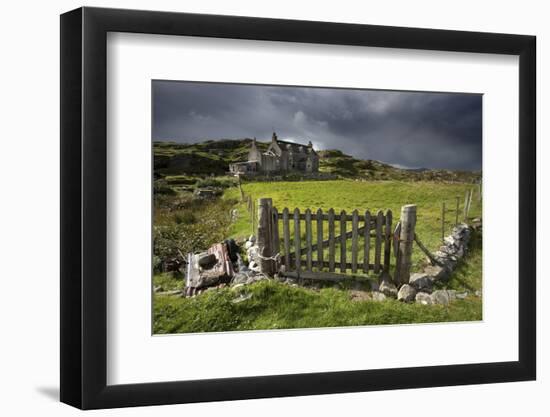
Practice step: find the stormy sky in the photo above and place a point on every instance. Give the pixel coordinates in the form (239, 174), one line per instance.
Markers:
(406, 129)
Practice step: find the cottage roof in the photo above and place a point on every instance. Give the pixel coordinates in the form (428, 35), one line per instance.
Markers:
(295, 147)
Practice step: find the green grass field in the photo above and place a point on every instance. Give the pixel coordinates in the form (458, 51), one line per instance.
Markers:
(273, 305)
(350, 195)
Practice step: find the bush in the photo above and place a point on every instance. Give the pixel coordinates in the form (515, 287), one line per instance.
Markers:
(161, 187)
(219, 182)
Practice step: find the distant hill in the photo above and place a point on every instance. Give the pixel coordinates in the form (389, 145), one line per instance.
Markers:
(214, 157)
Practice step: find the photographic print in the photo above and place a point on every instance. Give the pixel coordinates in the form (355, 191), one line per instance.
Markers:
(287, 207)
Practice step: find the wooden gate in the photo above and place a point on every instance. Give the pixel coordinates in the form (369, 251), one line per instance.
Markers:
(323, 245)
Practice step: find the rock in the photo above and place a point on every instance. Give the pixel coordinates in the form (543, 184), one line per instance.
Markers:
(252, 253)
(423, 298)
(255, 278)
(440, 297)
(452, 294)
(421, 282)
(461, 295)
(248, 244)
(356, 295)
(378, 296)
(450, 240)
(406, 293)
(239, 278)
(388, 289)
(374, 286)
(438, 273)
(241, 266)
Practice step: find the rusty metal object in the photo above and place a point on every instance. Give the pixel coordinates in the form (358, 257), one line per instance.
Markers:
(209, 268)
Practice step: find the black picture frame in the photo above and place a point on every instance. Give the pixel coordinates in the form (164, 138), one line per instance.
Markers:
(84, 207)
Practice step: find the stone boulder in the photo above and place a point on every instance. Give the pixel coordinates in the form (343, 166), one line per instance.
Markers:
(438, 273)
(441, 297)
(357, 295)
(388, 289)
(423, 298)
(239, 278)
(406, 293)
(378, 296)
(421, 282)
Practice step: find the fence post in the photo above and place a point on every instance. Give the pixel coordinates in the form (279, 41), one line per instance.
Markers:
(443, 222)
(466, 199)
(406, 239)
(240, 187)
(457, 208)
(479, 191)
(265, 240)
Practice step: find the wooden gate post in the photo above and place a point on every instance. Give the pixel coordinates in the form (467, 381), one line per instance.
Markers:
(264, 237)
(406, 239)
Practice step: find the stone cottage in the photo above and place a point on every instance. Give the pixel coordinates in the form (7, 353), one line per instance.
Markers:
(280, 157)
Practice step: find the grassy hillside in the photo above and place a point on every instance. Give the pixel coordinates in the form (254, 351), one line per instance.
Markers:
(273, 305)
(184, 222)
(214, 157)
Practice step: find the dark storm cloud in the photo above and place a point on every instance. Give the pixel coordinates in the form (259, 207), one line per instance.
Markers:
(410, 129)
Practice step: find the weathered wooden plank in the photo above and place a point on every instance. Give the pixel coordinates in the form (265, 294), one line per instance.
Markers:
(466, 208)
(337, 238)
(308, 240)
(387, 240)
(297, 237)
(325, 243)
(320, 237)
(325, 264)
(275, 247)
(457, 209)
(354, 240)
(443, 222)
(343, 222)
(331, 245)
(264, 236)
(378, 242)
(479, 192)
(337, 217)
(406, 238)
(366, 236)
(286, 237)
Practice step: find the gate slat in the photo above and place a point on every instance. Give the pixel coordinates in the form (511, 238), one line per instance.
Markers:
(387, 241)
(366, 234)
(308, 240)
(354, 239)
(275, 227)
(286, 236)
(378, 243)
(331, 248)
(343, 221)
(297, 243)
(320, 238)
